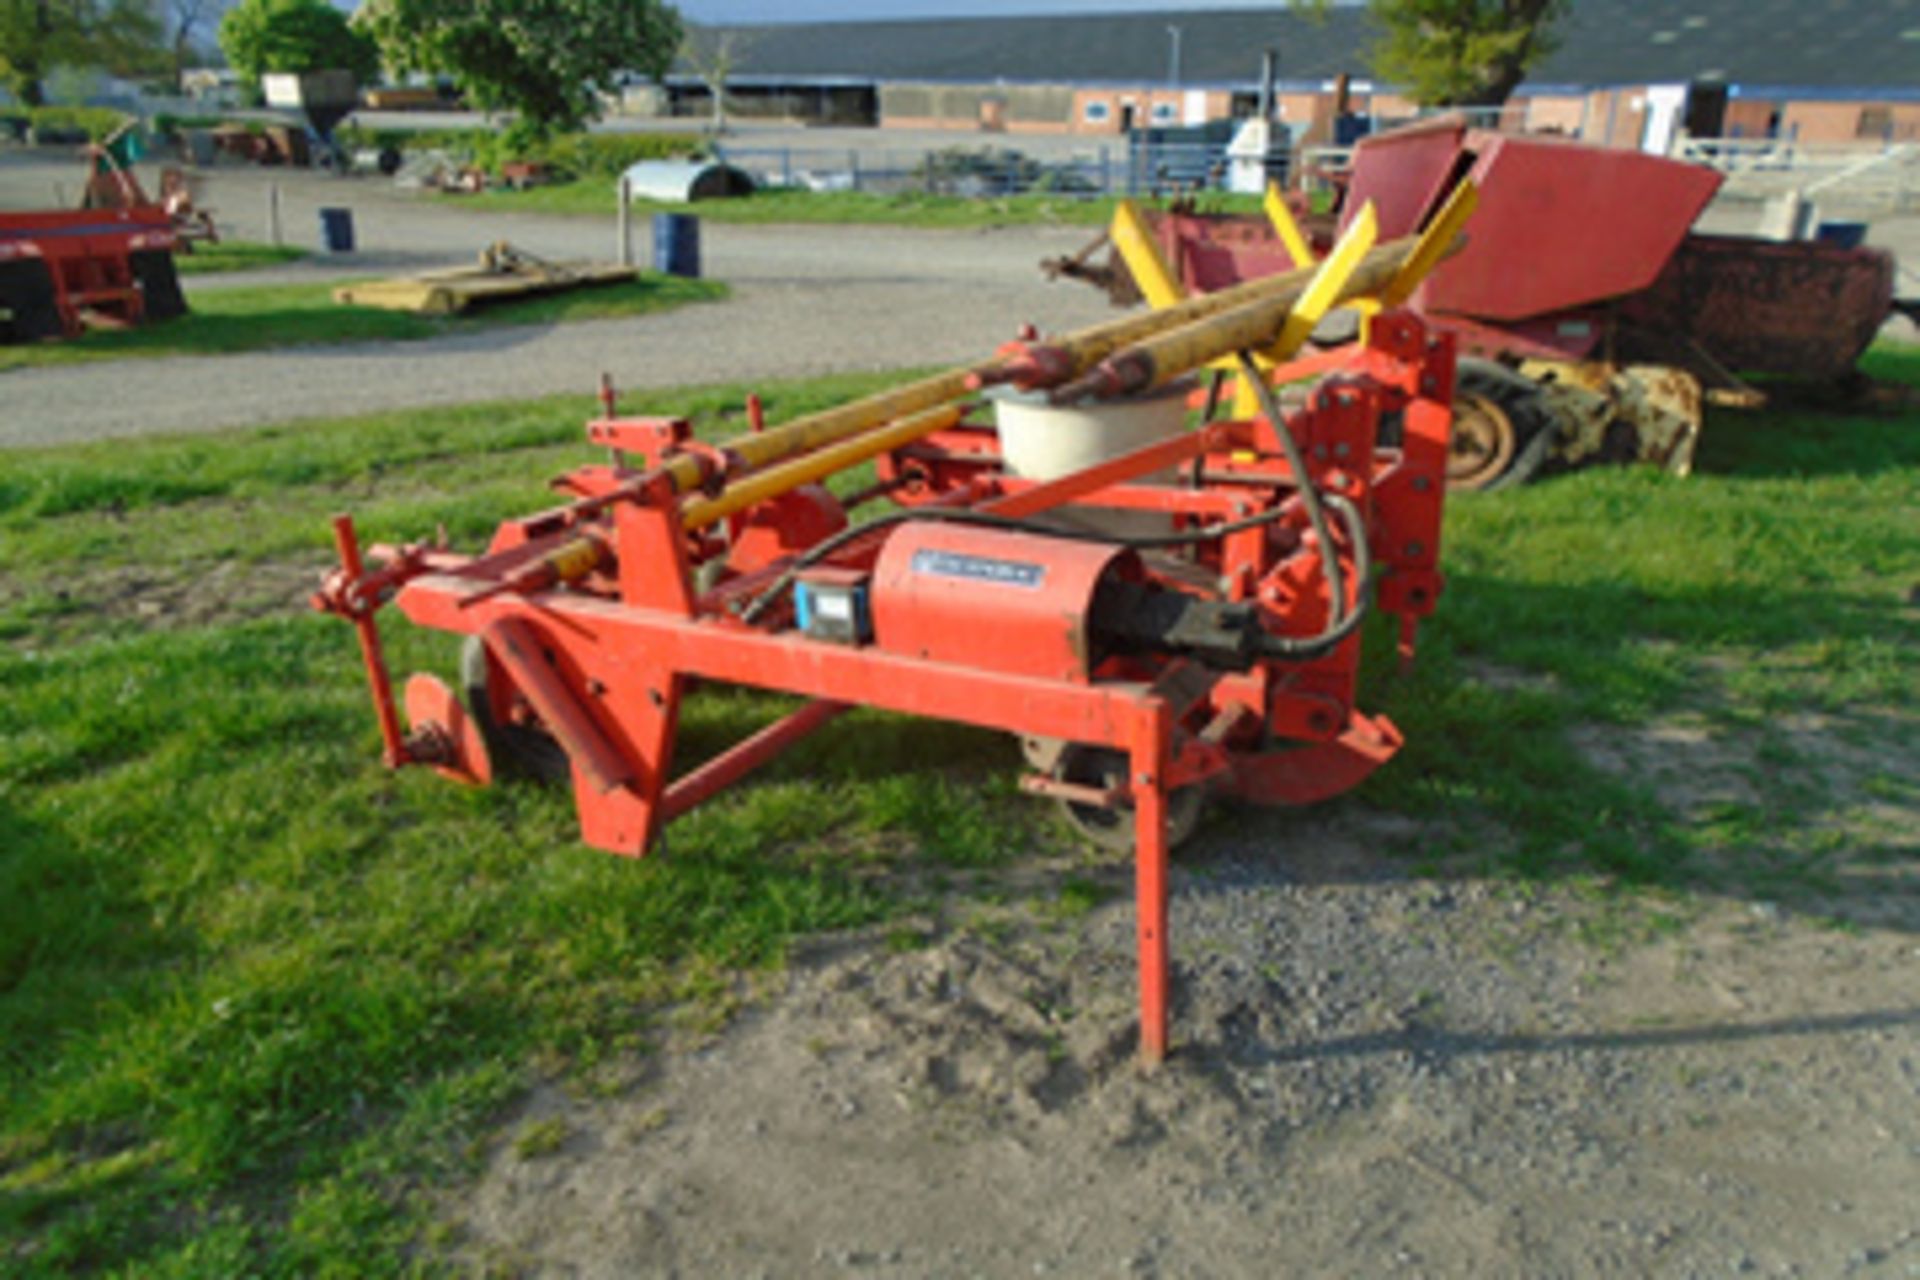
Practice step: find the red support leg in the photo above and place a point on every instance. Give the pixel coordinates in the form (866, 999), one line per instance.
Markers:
(393, 747)
(1148, 761)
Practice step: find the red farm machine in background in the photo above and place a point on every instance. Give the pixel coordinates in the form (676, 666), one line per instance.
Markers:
(61, 270)
(1161, 612)
(108, 263)
(1593, 322)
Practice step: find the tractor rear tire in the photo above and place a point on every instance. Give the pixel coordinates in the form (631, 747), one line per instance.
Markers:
(1503, 428)
(515, 748)
(26, 294)
(159, 284)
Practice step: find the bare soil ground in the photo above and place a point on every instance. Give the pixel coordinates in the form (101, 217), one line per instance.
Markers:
(1375, 1073)
(167, 596)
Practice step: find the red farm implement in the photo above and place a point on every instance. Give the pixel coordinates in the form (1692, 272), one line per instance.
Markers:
(63, 270)
(1592, 321)
(1159, 619)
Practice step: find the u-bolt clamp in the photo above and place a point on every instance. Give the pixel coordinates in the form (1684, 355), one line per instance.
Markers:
(716, 464)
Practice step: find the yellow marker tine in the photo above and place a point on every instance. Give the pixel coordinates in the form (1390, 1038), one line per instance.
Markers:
(1435, 243)
(1158, 285)
(1286, 228)
(1327, 284)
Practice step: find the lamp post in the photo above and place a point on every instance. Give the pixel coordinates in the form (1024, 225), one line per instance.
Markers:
(1173, 57)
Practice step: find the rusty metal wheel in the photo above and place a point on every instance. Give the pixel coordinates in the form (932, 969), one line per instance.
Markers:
(1113, 828)
(1484, 441)
(1503, 428)
(523, 749)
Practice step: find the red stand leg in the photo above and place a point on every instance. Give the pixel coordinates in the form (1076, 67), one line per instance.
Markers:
(1148, 761)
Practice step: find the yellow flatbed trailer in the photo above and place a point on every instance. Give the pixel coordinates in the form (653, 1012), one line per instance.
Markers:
(502, 273)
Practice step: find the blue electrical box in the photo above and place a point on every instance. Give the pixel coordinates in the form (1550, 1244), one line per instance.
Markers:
(831, 604)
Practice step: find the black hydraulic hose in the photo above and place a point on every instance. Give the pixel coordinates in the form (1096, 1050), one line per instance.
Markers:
(1316, 511)
(1308, 647)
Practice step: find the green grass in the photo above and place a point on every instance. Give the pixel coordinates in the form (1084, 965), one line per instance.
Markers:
(260, 997)
(264, 317)
(234, 255)
(599, 199)
(1773, 581)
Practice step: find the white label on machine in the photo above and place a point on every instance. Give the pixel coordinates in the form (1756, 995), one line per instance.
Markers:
(1004, 573)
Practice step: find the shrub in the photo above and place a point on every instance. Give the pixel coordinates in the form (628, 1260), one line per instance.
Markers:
(168, 125)
(574, 155)
(95, 122)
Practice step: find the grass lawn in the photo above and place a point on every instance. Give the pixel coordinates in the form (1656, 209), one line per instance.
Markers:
(234, 255)
(599, 199)
(259, 996)
(262, 317)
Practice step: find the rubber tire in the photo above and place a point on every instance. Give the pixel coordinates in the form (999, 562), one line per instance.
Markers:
(513, 748)
(26, 290)
(159, 284)
(1113, 828)
(1520, 399)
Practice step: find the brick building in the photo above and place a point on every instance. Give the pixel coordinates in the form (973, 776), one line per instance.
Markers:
(1627, 73)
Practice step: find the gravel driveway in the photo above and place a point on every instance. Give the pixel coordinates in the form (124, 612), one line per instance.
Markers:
(807, 300)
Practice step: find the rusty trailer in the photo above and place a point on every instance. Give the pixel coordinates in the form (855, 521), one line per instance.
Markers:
(1593, 323)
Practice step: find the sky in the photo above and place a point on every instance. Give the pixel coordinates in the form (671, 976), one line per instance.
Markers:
(749, 11)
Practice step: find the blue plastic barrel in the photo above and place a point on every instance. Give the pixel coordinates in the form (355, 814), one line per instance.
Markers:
(676, 244)
(1841, 235)
(336, 230)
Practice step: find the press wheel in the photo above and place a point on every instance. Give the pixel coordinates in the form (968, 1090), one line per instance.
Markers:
(1112, 828)
(520, 748)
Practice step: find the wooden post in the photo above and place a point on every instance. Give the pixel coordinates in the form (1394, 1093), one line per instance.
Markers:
(273, 214)
(624, 222)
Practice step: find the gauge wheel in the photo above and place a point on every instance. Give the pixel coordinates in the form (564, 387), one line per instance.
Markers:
(520, 748)
(1500, 429)
(1113, 828)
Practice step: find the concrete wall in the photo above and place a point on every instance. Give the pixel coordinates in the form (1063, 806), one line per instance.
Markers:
(1046, 108)
(1555, 114)
(1101, 111)
(1609, 117)
(1749, 117)
(1851, 121)
(1615, 117)
(984, 107)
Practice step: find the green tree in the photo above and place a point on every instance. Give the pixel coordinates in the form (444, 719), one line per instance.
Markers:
(546, 60)
(294, 36)
(36, 36)
(1462, 52)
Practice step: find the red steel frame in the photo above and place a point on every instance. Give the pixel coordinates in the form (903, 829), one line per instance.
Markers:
(88, 254)
(603, 664)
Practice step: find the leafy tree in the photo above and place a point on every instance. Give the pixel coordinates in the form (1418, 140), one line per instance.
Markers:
(1463, 52)
(294, 36)
(547, 60)
(39, 35)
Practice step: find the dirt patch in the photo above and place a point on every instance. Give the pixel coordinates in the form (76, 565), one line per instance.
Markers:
(162, 596)
(1373, 1075)
(1824, 806)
